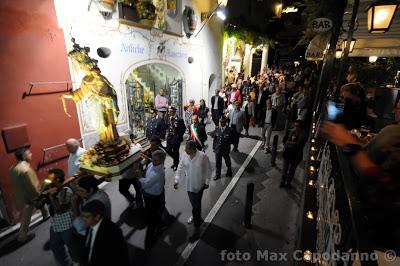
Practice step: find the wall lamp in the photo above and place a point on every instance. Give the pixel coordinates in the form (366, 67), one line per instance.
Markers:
(219, 11)
(381, 14)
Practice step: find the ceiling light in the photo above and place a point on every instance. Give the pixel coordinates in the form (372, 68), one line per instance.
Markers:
(372, 59)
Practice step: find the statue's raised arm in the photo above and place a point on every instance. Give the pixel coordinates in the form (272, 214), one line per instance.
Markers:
(96, 87)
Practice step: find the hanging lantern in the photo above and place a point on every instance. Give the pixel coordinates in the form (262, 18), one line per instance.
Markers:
(352, 44)
(381, 14)
(338, 53)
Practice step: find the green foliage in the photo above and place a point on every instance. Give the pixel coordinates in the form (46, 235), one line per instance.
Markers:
(309, 13)
(246, 36)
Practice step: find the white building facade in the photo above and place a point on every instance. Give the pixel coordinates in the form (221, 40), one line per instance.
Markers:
(141, 61)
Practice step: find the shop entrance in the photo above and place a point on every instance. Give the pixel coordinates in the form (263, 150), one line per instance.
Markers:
(142, 86)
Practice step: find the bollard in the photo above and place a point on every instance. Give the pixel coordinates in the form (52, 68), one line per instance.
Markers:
(249, 205)
(274, 151)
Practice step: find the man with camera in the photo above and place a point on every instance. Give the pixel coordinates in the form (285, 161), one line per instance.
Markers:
(61, 231)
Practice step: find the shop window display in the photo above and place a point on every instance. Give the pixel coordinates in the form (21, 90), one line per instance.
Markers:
(143, 85)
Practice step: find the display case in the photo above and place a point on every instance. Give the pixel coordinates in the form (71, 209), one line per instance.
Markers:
(136, 107)
(174, 94)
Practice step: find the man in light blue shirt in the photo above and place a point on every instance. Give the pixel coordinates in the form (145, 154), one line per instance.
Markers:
(152, 186)
(237, 119)
(75, 153)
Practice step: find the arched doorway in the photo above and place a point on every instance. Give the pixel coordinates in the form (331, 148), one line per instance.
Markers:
(143, 83)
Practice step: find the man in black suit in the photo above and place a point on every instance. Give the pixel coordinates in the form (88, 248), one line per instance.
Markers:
(176, 130)
(105, 243)
(223, 139)
(198, 133)
(261, 97)
(155, 126)
(217, 107)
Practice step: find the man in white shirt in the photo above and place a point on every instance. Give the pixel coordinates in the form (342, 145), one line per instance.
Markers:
(268, 117)
(75, 153)
(197, 168)
(237, 119)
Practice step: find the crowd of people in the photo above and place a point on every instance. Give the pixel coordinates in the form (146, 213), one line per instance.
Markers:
(80, 212)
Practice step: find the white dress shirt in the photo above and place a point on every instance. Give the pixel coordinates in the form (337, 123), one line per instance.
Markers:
(268, 116)
(95, 229)
(153, 183)
(197, 171)
(73, 161)
(235, 117)
(216, 98)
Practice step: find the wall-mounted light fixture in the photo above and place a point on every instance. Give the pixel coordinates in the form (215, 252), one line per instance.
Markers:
(352, 44)
(220, 11)
(381, 14)
(338, 53)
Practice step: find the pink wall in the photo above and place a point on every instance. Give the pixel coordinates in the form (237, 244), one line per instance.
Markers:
(32, 48)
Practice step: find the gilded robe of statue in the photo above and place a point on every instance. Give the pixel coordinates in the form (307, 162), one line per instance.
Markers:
(99, 93)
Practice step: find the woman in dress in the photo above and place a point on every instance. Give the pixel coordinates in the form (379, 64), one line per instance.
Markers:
(203, 112)
(190, 110)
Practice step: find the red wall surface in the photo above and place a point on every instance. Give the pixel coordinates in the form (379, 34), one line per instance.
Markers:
(32, 48)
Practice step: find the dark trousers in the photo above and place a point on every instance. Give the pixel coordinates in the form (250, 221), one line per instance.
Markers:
(59, 241)
(125, 184)
(153, 209)
(173, 151)
(247, 124)
(258, 111)
(235, 136)
(218, 160)
(195, 200)
(216, 115)
(289, 169)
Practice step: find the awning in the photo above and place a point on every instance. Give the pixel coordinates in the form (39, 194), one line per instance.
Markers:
(317, 47)
(372, 44)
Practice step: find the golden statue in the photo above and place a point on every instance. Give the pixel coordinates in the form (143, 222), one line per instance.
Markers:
(99, 91)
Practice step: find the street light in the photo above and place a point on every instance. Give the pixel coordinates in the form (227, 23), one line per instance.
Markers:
(221, 14)
(222, 3)
(219, 11)
(381, 14)
(278, 10)
(352, 44)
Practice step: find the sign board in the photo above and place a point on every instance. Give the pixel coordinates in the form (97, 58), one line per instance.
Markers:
(322, 24)
(317, 47)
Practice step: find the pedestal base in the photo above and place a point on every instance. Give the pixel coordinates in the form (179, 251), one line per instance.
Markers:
(118, 171)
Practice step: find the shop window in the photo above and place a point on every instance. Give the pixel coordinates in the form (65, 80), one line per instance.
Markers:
(143, 85)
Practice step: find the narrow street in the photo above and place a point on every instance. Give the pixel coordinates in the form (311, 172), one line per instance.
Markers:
(274, 220)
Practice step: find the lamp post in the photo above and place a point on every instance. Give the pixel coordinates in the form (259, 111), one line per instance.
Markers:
(381, 14)
(347, 49)
(219, 11)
